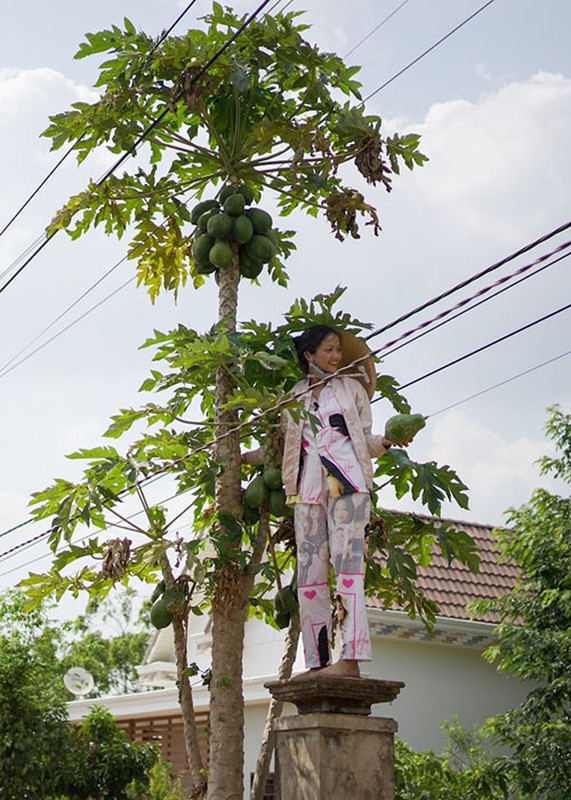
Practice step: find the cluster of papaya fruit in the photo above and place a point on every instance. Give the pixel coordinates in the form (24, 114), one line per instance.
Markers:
(285, 602)
(230, 220)
(265, 491)
(166, 603)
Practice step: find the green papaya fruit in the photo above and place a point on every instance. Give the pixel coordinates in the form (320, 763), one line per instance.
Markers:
(271, 235)
(161, 617)
(260, 219)
(158, 591)
(200, 208)
(282, 620)
(261, 248)
(220, 254)
(226, 191)
(256, 493)
(242, 229)
(202, 223)
(201, 246)
(250, 515)
(403, 427)
(277, 503)
(246, 193)
(219, 225)
(272, 477)
(205, 267)
(286, 600)
(234, 204)
(249, 267)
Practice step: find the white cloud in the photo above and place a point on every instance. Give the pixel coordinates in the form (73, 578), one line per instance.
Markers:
(500, 472)
(490, 161)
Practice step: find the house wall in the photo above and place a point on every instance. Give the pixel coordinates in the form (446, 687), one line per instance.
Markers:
(441, 681)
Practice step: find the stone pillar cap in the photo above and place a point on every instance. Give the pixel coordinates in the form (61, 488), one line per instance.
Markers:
(334, 694)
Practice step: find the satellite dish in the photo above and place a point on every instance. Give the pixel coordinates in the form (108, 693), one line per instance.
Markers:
(78, 681)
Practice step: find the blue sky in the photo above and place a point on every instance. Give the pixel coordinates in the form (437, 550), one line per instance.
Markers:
(493, 106)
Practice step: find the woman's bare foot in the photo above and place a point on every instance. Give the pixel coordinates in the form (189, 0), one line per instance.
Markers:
(342, 669)
(310, 673)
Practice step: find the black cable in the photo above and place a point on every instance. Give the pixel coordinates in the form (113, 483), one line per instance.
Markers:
(207, 446)
(469, 280)
(375, 29)
(429, 50)
(132, 149)
(469, 308)
(77, 141)
(484, 347)
(201, 72)
(501, 383)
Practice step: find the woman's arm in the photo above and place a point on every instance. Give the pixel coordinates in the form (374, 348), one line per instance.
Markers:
(376, 443)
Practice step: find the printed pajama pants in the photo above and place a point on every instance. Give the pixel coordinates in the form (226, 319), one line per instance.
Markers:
(332, 532)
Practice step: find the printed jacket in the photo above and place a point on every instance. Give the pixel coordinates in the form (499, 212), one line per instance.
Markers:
(356, 409)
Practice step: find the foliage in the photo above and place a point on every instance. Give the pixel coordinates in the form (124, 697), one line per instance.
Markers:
(34, 735)
(263, 367)
(106, 764)
(272, 111)
(86, 641)
(534, 634)
(163, 785)
(109, 642)
(465, 771)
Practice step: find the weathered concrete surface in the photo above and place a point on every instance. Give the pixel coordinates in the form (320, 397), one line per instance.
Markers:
(334, 694)
(333, 749)
(326, 756)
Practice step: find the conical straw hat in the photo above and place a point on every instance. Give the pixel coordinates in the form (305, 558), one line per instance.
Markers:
(353, 349)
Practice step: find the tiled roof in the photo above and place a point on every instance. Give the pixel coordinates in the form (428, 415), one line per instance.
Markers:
(454, 586)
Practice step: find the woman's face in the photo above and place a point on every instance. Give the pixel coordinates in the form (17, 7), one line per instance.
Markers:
(328, 354)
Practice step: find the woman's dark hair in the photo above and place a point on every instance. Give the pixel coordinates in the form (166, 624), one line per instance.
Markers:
(309, 341)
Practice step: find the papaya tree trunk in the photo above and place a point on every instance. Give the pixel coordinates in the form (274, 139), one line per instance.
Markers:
(274, 711)
(225, 781)
(193, 754)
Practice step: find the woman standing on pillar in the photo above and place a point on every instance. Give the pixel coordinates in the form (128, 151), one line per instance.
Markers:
(327, 474)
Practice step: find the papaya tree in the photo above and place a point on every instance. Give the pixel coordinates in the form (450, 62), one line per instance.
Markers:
(222, 126)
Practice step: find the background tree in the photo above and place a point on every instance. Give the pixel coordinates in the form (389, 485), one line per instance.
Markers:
(34, 735)
(534, 634)
(108, 639)
(42, 757)
(271, 112)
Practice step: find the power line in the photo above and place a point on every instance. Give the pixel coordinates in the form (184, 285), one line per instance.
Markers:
(375, 29)
(424, 327)
(428, 50)
(133, 148)
(281, 404)
(465, 310)
(72, 147)
(501, 383)
(10, 365)
(485, 346)
(433, 300)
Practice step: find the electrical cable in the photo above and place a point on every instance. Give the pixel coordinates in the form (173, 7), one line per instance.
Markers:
(501, 383)
(432, 301)
(247, 423)
(142, 136)
(444, 315)
(72, 147)
(485, 347)
(6, 368)
(375, 29)
(428, 50)
(472, 307)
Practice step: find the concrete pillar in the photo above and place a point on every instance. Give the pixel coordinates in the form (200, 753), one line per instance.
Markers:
(332, 749)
